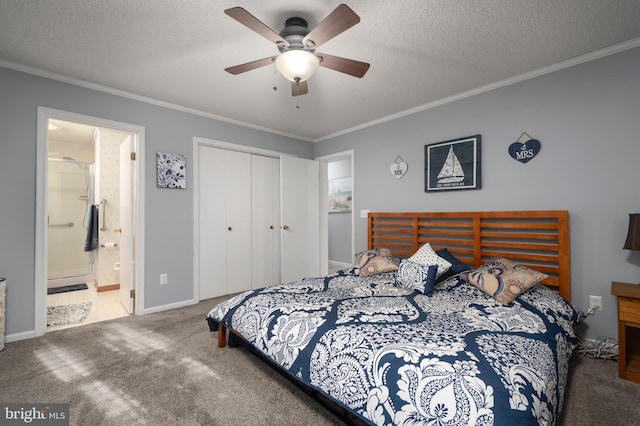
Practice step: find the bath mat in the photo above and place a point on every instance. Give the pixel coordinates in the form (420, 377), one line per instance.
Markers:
(65, 288)
(68, 314)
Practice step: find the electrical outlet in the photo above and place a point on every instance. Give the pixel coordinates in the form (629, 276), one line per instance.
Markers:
(164, 279)
(595, 300)
(364, 213)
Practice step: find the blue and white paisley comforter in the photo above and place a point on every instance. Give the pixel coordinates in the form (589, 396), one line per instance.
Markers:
(394, 356)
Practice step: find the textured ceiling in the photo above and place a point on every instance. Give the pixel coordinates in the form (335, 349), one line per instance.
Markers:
(420, 51)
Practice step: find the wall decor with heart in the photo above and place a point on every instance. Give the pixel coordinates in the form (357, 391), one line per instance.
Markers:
(398, 168)
(524, 151)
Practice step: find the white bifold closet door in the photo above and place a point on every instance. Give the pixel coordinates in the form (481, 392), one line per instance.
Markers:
(258, 220)
(224, 215)
(300, 217)
(265, 220)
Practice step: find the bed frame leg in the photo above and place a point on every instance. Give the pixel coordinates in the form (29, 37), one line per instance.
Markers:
(222, 336)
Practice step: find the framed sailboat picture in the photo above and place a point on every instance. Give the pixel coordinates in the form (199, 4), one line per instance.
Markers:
(452, 165)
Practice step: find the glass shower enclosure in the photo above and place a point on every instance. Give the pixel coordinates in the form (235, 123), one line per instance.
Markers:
(70, 194)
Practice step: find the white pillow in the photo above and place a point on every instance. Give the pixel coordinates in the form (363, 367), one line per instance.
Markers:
(427, 256)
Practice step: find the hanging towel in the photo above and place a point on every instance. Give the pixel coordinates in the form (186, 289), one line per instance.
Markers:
(92, 229)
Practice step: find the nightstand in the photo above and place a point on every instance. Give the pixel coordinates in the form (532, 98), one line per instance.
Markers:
(628, 330)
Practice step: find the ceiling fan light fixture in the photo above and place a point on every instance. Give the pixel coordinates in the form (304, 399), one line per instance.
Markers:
(297, 65)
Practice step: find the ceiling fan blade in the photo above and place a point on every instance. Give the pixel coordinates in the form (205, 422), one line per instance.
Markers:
(299, 89)
(347, 66)
(248, 20)
(341, 19)
(239, 69)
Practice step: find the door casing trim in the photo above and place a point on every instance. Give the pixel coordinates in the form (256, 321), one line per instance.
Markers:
(324, 195)
(42, 151)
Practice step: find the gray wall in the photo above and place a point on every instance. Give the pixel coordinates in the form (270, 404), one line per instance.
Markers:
(168, 214)
(587, 118)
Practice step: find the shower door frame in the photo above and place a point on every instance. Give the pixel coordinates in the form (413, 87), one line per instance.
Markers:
(42, 155)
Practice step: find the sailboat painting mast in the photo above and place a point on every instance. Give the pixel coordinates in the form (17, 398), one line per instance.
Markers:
(453, 164)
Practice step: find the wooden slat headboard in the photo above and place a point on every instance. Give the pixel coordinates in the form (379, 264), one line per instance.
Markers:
(538, 239)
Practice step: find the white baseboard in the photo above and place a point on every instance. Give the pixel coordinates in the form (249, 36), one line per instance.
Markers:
(31, 333)
(20, 336)
(169, 306)
(340, 264)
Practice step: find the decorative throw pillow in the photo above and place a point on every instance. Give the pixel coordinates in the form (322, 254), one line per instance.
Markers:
(456, 265)
(426, 256)
(415, 276)
(376, 261)
(503, 279)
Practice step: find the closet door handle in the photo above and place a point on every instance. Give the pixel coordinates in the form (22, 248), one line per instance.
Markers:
(285, 227)
(229, 228)
(271, 227)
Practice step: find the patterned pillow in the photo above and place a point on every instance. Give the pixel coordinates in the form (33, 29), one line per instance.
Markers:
(415, 276)
(426, 256)
(456, 265)
(503, 279)
(376, 261)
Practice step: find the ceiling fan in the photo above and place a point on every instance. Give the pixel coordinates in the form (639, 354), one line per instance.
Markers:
(297, 60)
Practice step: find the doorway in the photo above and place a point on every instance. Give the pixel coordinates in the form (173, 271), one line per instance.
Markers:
(340, 191)
(78, 229)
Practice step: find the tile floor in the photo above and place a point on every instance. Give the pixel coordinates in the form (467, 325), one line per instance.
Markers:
(106, 305)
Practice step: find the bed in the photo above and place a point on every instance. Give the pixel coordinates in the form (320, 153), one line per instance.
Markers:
(417, 345)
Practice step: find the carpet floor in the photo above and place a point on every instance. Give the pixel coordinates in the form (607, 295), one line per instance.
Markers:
(166, 368)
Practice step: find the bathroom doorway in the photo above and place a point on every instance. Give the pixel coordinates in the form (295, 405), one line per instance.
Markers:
(78, 272)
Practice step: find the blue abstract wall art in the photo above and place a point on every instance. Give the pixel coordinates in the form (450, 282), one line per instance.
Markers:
(172, 170)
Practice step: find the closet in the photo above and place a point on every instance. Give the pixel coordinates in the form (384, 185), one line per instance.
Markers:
(239, 221)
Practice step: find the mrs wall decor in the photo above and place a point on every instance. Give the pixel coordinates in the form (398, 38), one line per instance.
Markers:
(453, 164)
(524, 152)
(172, 170)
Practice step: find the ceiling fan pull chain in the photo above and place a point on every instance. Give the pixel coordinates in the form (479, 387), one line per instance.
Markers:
(297, 92)
(275, 87)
